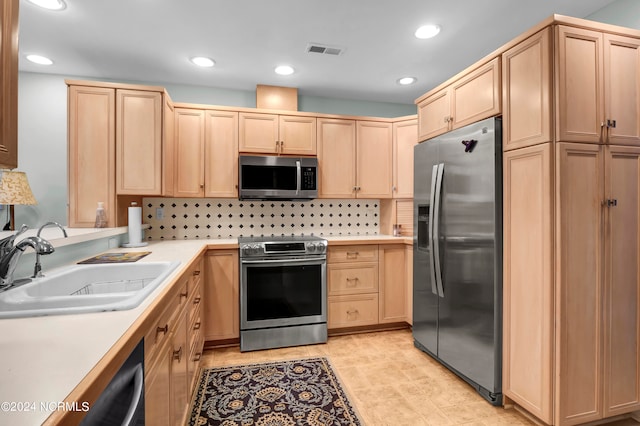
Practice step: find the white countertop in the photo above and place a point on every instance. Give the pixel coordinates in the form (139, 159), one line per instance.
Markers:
(44, 358)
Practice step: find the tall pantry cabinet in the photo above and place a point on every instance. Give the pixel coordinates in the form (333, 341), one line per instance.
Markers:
(572, 222)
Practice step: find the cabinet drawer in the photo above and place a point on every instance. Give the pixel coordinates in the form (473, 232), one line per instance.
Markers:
(352, 278)
(353, 311)
(363, 253)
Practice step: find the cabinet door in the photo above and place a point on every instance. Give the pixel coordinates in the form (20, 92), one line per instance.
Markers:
(527, 92)
(222, 295)
(579, 243)
(374, 169)
(168, 147)
(9, 84)
(393, 284)
(405, 136)
(476, 95)
(258, 133)
(297, 135)
(221, 154)
(580, 108)
(528, 282)
(622, 282)
(434, 115)
(180, 391)
(138, 142)
(157, 388)
(189, 181)
(92, 179)
(336, 158)
(622, 88)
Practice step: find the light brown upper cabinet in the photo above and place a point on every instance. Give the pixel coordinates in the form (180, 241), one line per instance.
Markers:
(277, 134)
(139, 142)
(468, 99)
(354, 158)
(91, 151)
(598, 87)
(169, 147)
(336, 158)
(206, 153)
(405, 137)
(9, 84)
(189, 162)
(374, 159)
(527, 92)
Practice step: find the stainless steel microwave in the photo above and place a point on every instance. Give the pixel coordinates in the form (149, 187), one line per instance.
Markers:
(272, 177)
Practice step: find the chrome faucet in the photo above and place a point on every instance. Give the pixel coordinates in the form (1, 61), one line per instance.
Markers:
(9, 261)
(37, 270)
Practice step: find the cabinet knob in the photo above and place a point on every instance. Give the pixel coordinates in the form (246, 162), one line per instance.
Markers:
(185, 294)
(197, 357)
(197, 325)
(163, 330)
(196, 300)
(196, 272)
(201, 185)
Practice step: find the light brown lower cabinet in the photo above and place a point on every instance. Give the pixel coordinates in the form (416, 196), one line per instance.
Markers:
(169, 345)
(393, 284)
(366, 285)
(222, 295)
(572, 281)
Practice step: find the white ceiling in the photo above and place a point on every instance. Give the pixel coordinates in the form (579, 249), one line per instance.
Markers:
(151, 41)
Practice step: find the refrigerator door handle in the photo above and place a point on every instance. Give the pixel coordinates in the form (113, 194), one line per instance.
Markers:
(436, 229)
(432, 263)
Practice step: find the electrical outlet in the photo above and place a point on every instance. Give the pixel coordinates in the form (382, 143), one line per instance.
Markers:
(159, 213)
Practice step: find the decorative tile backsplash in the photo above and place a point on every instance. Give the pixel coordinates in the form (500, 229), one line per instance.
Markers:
(190, 218)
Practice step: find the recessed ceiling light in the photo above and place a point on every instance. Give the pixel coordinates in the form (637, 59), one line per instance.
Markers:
(50, 4)
(40, 60)
(203, 61)
(427, 31)
(284, 70)
(404, 81)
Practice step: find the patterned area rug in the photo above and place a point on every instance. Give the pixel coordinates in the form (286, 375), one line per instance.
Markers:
(288, 393)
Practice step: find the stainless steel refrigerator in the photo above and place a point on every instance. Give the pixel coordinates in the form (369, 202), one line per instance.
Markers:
(457, 253)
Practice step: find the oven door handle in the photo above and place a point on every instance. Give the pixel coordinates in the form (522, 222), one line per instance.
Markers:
(286, 261)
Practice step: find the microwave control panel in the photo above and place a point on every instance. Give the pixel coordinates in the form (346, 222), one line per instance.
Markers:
(308, 178)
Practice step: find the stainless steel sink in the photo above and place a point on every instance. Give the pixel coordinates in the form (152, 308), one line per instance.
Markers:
(85, 288)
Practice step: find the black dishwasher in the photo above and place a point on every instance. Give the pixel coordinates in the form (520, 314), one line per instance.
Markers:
(122, 402)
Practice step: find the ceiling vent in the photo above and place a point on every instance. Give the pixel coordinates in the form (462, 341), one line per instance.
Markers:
(324, 49)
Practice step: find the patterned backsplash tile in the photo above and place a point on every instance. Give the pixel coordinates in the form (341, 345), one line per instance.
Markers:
(190, 218)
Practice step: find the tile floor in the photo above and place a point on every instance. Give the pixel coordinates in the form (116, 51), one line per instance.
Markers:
(390, 382)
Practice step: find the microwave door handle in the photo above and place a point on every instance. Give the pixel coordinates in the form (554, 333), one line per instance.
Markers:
(298, 176)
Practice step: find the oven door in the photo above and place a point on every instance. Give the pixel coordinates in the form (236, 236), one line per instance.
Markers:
(282, 292)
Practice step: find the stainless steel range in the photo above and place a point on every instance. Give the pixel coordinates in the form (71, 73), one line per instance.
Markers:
(283, 291)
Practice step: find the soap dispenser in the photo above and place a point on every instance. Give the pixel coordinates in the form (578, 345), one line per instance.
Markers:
(101, 216)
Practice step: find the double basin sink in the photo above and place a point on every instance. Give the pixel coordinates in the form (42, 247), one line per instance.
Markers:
(85, 288)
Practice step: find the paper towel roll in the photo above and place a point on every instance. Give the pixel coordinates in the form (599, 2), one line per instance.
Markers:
(135, 224)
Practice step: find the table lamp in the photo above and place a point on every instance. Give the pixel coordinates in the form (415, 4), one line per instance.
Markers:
(15, 189)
